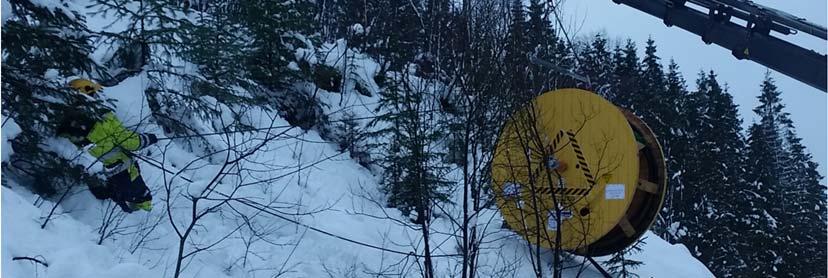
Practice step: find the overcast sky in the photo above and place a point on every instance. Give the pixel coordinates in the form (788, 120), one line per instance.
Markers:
(808, 106)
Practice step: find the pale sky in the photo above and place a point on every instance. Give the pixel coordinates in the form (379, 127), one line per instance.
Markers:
(808, 106)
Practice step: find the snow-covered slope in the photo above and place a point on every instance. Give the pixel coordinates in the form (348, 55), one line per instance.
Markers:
(299, 207)
(65, 244)
(68, 246)
(310, 182)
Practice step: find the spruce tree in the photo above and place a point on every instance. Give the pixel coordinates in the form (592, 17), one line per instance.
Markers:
(44, 47)
(597, 65)
(435, 48)
(660, 104)
(152, 37)
(784, 176)
(766, 160)
(805, 209)
(413, 173)
(675, 144)
(714, 179)
(275, 30)
(231, 45)
(802, 223)
(626, 76)
(540, 35)
(541, 44)
(620, 263)
(338, 17)
(399, 35)
(649, 102)
(516, 59)
(156, 36)
(217, 45)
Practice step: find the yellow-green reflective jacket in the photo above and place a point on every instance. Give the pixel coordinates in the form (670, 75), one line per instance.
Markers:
(111, 139)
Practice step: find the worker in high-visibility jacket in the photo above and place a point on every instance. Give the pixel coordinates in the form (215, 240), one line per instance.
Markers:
(112, 145)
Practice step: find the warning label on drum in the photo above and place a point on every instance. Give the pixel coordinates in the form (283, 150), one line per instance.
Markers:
(614, 191)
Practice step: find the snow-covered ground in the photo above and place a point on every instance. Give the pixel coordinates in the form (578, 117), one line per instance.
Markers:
(332, 195)
(69, 247)
(338, 224)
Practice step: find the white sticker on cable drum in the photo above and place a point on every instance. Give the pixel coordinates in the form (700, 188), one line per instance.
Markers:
(551, 223)
(511, 190)
(614, 191)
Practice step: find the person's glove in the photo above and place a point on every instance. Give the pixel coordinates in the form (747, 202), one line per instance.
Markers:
(145, 206)
(147, 139)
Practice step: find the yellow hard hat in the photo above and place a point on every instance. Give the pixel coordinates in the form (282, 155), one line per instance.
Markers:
(85, 86)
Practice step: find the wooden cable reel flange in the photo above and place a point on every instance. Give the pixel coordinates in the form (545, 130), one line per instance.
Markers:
(573, 163)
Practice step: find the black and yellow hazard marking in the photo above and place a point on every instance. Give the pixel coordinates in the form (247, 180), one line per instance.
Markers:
(557, 140)
(582, 163)
(564, 191)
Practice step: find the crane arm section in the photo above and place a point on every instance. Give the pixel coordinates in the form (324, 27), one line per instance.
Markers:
(753, 41)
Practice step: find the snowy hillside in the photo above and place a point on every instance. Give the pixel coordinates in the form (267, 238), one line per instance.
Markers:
(316, 185)
(331, 189)
(269, 200)
(68, 246)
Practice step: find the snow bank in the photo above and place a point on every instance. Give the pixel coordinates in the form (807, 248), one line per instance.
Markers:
(66, 245)
(662, 259)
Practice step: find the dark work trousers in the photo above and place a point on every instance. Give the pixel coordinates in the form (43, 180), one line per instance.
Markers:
(123, 191)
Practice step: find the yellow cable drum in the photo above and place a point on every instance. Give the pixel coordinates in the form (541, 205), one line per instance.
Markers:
(573, 170)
